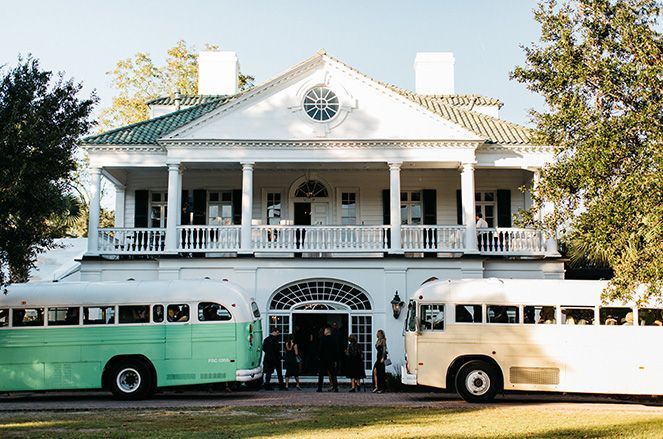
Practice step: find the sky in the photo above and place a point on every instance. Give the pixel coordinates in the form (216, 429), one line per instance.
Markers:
(85, 38)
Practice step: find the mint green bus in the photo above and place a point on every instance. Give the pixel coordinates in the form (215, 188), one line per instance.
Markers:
(128, 337)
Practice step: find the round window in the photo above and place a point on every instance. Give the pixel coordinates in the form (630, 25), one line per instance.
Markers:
(321, 104)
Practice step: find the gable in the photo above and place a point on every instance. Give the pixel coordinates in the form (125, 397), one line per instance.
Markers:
(368, 111)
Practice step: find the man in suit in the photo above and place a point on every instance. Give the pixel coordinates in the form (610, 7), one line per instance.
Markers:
(327, 353)
(271, 347)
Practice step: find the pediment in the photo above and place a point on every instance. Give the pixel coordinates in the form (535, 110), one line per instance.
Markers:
(366, 110)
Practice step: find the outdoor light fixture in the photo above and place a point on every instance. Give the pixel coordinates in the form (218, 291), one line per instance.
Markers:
(397, 305)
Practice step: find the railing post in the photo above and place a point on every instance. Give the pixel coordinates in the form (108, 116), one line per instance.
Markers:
(93, 221)
(469, 210)
(247, 207)
(395, 205)
(174, 199)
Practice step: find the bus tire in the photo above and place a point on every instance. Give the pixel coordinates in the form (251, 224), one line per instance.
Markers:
(131, 379)
(477, 381)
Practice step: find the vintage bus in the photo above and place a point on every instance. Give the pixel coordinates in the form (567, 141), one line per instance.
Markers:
(483, 336)
(129, 337)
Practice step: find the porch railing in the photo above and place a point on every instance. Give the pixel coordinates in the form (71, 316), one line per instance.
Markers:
(131, 241)
(433, 238)
(208, 238)
(320, 238)
(511, 241)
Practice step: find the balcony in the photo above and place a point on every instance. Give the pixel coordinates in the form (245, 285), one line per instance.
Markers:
(322, 239)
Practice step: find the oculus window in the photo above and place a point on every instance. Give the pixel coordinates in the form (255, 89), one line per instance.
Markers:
(321, 104)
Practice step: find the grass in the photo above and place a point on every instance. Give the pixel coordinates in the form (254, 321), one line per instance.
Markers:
(496, 421)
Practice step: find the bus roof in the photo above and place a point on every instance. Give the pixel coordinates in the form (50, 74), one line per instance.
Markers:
(523, 291)
(127, 293)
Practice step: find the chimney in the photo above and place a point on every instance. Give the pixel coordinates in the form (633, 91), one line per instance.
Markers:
(217, 73)
(434, 73)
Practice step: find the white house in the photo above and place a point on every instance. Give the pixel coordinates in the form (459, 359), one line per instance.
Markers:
(325, 192)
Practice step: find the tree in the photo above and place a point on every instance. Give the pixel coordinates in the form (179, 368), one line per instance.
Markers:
(138, 80)
(41, 119)
(599, 66)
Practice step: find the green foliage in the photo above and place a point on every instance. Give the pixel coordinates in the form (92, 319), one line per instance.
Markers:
(139, 80)
(41, 119)
(599, 66)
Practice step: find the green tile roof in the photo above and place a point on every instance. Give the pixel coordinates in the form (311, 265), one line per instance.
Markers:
(148, 131)
(186, 100)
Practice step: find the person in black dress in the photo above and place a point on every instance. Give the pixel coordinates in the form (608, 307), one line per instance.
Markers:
(292, 361)
(327, 350)
(354, 363)
(272, 360)
(379, 374)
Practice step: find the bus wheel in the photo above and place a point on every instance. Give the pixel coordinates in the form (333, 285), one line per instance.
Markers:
(130, 380)
(477, 381)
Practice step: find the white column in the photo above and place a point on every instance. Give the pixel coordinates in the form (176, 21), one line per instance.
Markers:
(178, 220)
(247, 206)
(173, 206)
(119, 206)
(469, 210)
(95, 207)
(395, 205)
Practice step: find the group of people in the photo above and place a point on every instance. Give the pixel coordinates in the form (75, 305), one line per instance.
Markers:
(329, 362)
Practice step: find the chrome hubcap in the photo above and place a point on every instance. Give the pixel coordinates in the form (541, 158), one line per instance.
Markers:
(477, 382)
(128, 380)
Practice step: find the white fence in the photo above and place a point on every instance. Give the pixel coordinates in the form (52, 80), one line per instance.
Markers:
(208, 238)
(320, 238)
(511, 241)
(131, 241)
(433, 238)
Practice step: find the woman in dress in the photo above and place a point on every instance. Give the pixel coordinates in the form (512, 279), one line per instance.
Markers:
(379, 375)
(292, 361)
(354, 363)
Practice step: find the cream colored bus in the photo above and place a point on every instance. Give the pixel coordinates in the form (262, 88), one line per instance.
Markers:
(483, 336)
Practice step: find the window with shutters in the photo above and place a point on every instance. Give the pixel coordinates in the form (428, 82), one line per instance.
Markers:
(158, 209)
(486, 205)
(411, 208)
(220, 208)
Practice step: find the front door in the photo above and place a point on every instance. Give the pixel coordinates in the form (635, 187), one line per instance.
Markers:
(319, 213)
(307, 329)
(302, 214)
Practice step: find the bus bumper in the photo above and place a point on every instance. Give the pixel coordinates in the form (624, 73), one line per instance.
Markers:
(409, 379)
(244, 375)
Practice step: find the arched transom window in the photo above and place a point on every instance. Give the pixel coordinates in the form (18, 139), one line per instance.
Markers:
(311, 189)
(320, 294)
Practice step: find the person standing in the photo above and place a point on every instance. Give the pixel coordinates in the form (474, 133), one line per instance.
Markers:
(292, 361)
(481, 223)
(379, 374)
(272, 360)
(354, 363)
(327, 350)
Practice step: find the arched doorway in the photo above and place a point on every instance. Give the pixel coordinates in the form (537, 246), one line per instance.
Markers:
(310, 198)
(304, 307)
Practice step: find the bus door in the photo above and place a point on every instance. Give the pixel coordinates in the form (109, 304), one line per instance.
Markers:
(178, 331)
(214, 338)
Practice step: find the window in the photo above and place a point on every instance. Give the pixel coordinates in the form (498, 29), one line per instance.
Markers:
(348, 208)
(273, 208)
(158, 209)
(4, 317)
(468, 314)
(615, 316)
(577, 315)
(411, 208)
(647, 316)
(63, 316)
(134, 313)
(255, 309)
(28, 317)
(311, 189)
(157, 313)
(539, 314)
(98, 315)
(321, 104)
(432, 317)
(178, 313)
(486, 205)
(213, 312)
(502, 314)
(220, 208)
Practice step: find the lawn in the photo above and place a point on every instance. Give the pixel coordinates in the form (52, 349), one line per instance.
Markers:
(495, 421)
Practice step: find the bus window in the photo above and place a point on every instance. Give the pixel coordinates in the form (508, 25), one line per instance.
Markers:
(98, 315)
(502, 314)
(432, 317)
(157, 313)
(255, 309)
(577, 315)
(411, 316)
(4, 317)
(63, 316)
(540, 315)
(212, 312)
(468, 314)
(28, 317)
(134, 313)
(615, 316)
(650, 316)
(178, 313)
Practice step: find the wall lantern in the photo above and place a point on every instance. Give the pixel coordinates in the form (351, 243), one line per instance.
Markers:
(397, 305)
